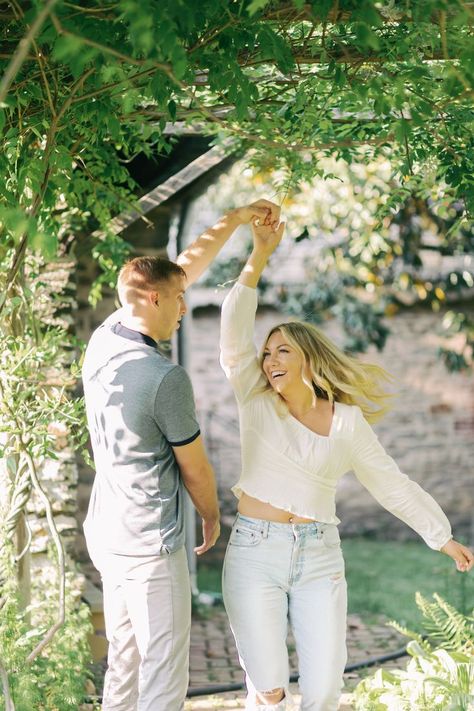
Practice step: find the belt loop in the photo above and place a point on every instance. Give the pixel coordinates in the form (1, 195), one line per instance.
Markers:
(265, 528)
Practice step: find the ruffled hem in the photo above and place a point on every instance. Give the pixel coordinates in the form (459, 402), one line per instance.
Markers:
(285, 506)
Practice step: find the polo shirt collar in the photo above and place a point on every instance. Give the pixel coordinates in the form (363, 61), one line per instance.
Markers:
(120, 330)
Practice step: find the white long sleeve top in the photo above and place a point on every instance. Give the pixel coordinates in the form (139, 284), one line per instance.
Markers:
(289, 466)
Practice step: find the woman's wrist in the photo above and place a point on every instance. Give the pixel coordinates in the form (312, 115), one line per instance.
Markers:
(253, 269)
(261, 254)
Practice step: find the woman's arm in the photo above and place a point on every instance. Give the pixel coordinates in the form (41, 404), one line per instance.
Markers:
(404, 498)
(266, 238)
(238, 354)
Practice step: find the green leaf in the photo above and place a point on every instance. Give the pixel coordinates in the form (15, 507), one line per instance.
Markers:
(402, 130)
(321, 9)
(67, 47)
(367, 13)
(256, 5)
(172, 108)
(367, 37)
(179, 61)
(113, 125)
(44, 242)
(15, 221)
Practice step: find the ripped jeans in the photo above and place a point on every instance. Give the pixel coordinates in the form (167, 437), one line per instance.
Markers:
(275, 573)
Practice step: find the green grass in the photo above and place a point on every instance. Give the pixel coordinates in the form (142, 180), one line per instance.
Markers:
(209, 578)
(383, 577)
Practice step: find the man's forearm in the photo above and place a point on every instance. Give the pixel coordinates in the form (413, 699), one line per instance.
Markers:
(202, 490)
(196, 258)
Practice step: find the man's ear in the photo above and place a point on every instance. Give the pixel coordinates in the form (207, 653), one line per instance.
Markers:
(153, 298)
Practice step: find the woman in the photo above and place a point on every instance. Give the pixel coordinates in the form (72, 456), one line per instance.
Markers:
(303, 416)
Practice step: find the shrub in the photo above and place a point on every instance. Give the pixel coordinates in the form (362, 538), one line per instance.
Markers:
(440, 673)
(55, 680)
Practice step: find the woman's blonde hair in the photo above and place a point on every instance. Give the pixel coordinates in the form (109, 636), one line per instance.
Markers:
(334, 374)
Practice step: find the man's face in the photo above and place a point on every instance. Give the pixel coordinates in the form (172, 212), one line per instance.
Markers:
(171, 306)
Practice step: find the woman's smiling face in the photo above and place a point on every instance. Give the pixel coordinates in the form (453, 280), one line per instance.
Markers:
(282, 364)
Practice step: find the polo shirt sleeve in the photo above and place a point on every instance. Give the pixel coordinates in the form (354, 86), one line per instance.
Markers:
(175, 412)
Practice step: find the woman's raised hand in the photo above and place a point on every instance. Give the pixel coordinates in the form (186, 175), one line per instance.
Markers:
(267, 234)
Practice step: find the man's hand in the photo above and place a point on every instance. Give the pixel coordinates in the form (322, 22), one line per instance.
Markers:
(462, 556)
(210, 533)
(264, 211)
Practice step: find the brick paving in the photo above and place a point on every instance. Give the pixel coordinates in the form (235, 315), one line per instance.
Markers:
(213, 659)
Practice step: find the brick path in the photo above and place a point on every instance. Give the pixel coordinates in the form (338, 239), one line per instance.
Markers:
(214, 658)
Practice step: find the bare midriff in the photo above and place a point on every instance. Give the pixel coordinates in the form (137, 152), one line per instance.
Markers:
(249, 506)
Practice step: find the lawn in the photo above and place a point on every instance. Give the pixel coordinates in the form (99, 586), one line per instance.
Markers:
(383, 577)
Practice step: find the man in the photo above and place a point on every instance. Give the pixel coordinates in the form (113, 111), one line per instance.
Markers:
(147, 446)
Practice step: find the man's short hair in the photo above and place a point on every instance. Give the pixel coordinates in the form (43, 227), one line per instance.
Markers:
(145, 273)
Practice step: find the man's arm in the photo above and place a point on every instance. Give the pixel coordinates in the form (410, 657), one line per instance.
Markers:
(196, 258)
(198, 478)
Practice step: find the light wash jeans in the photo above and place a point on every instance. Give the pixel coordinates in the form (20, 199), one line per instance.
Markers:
(275, 572)
(147, 608)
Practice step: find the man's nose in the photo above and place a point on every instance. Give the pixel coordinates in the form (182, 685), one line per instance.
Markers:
(184, 308)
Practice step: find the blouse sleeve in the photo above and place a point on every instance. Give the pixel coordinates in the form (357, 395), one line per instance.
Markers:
(238, 354)
(404, 498)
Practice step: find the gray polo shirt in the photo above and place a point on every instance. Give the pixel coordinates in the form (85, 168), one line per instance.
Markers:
(139, 405)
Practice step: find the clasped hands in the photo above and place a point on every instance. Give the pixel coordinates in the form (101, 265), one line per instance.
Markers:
(264, 217)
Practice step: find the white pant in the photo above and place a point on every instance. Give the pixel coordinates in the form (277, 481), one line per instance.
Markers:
(277, 571)
(147, 608)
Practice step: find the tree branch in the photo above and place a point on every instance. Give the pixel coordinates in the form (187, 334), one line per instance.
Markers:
(107, 50)
(9, 705)
(22, 50)
(60, 553)
(113, 85)
(54, 535)
(337, 15)
(36, 202)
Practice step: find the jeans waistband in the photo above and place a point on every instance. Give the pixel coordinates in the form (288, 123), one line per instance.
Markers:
(315, 528)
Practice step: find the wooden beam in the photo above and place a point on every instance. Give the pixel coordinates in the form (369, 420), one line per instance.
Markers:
(165, 191)
(288, 12)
